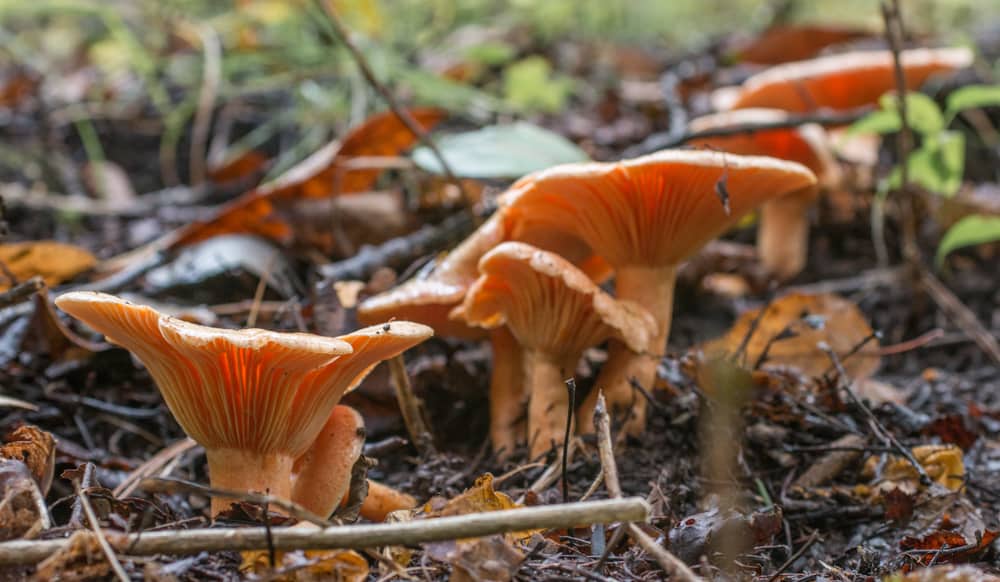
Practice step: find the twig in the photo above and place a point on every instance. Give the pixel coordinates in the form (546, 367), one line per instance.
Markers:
(472, 525)
(409, 406)
(670, 563)
(172, 486)
(211, 73)
(877, 427)
(404, 116)
(798, 554)
(960, 314)
(95, 526)
(400, 252)
(893, 19)
(571, 387)
(670, 139)
(21, 291)
(154, 464)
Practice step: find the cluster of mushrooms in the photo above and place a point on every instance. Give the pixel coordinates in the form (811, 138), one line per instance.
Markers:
(264, 404)
(529, 278)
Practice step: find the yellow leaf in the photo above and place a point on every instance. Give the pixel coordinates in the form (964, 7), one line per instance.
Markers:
(53, 261)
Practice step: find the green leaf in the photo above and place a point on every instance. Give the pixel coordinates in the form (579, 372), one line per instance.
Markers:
(500, 151)
(972, 96)
(880, 122)
(921, 111)
(971, 230)
(529, 85)
(939, 164)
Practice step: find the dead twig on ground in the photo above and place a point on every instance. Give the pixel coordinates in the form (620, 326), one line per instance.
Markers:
(960, 314)
(670, 563)
(102, 540)
(21, 291)
(410, 407)
(194, 541)
(342, 34)
(156, 463)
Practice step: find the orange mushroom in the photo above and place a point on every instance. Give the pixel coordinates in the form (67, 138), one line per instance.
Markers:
(783, 232)
(645, 216)
(256, 400)
(843, 81)
(432, 300)
(556, 312)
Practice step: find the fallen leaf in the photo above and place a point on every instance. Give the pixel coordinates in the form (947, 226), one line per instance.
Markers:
(952, 429)
(942, 463)
(945, 573)
(35, 448)
(792, 329)
(321, 175)
(307, 565)
(80, 559)
(22, 505)
(240, 167)
(947, 542)
(53, 261)
(898, 505)
(488, 559)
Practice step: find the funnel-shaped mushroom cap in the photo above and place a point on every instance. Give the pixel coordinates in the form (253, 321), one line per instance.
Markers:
(550, 305)
(254, 390)
(657, 209)
(844, 81)
(431, 299)
(266, 391)
(806, 144)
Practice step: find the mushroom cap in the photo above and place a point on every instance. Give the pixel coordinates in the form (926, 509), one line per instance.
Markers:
(807, 144)
(844, 81)
(549, 304)
(656, 210)
(254, 390)
(431, 299)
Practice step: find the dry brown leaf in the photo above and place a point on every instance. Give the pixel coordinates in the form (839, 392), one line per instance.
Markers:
(942, 463)
(489, 559)
(35, 448)
(78, 561)
(943, 539)
(307, 565)
(241, 167)
(319, 176)
(53, 261)
(798, 316)
(945, 573)
(22, 507)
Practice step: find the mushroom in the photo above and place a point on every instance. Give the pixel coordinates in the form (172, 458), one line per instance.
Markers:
(783, 232)
(431, 300)
(645, 216)
(556, 312)
(262, 403)
(843, 81)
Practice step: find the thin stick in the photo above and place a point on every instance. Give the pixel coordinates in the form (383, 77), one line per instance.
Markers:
(670, 563)
(960, 314)
(21, 291)
(571, 387)
(401, 113)
(211, 73)
(95, 526)
(154, 464)
(798, 554)
(409, 406)
(472, 525)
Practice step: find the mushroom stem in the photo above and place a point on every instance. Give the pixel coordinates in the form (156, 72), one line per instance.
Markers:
(653, 289)
(783, 235)
(323, 472)
(506, 393)
(248, 471)
(548, 401)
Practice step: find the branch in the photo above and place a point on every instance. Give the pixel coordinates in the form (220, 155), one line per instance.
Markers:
(404, 116)
(195, 541)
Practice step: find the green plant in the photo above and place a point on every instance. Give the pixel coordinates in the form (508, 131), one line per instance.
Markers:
(938, 163)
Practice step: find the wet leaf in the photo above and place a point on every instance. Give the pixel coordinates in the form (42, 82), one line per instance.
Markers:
(948, 540)
(500, 151)
(53, 261)
(843, 329)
